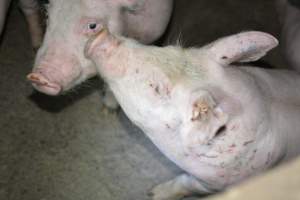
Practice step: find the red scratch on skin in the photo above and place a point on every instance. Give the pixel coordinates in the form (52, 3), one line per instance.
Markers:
(234, 127)
(231, 148)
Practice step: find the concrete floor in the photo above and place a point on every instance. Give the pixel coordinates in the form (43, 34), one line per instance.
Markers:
(66, 148)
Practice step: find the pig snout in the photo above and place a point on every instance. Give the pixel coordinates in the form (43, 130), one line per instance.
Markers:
(101, 45)
(42, 84)
(53, 77)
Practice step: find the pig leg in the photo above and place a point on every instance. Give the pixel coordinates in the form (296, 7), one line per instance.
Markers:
(182, 186)
(4, 4)
(109, 99)
(31, 10)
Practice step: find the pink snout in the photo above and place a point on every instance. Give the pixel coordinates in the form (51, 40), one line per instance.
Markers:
(42, 84)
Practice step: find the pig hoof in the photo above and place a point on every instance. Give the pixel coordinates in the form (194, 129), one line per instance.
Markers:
(110, 101)
(165, 191)
(108, 111)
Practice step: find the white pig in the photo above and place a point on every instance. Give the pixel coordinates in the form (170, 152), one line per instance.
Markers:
(60, 63)
(289, 13)
(31, 10)
(220, 123)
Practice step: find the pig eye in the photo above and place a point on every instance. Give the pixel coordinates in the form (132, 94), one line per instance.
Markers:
(92, 26)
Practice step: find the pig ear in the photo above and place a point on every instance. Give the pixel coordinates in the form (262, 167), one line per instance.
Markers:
(242, 47)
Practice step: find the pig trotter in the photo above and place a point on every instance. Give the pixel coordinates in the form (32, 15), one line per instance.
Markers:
(109, 99)
(182, 186)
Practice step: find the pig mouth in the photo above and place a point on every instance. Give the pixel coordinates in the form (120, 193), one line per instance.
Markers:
(42, 84)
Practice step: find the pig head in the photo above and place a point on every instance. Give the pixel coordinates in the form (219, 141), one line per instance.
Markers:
(60, 63)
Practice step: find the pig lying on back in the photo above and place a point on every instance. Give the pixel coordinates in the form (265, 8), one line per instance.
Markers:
(218, 122)
(60, 63)
(289, 12)
(31, 11)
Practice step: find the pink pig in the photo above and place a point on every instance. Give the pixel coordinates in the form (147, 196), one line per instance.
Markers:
(220, 123)
(60, 63)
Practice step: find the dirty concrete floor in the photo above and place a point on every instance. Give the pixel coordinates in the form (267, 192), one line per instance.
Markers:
(67, 148)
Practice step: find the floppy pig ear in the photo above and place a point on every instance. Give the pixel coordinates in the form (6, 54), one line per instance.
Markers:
(242, 47)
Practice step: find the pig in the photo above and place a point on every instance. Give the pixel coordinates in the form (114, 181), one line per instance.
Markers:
(60, 63)
(219, 122)
(289, 14)
(31, 10)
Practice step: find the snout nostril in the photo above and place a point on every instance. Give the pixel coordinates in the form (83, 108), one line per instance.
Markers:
(35, 78)
(221, 130)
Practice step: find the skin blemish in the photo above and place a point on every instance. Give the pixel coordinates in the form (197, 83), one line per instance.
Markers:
(232, 146)
(230, 150)
(221, 173)
(248, 142)
(224, 57)
(157, 90)
(168, 91)
(234, 127)
(220, 150)
(253, 168)
(268, 158)
(137, 71)
(207, 156)
(168, 126)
